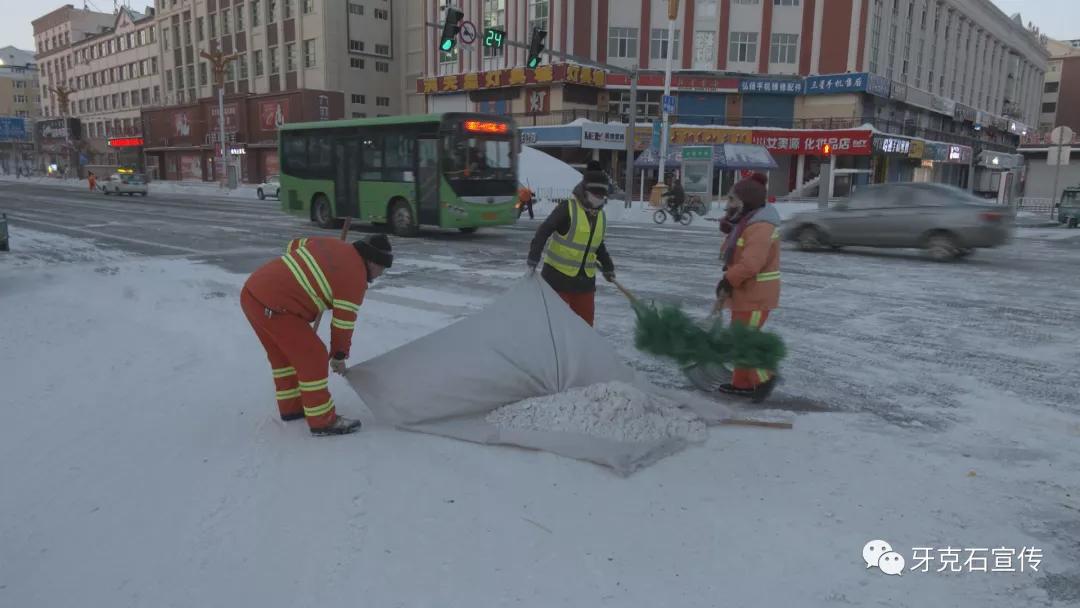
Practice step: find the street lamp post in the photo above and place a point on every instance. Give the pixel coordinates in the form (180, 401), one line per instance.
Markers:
(218, 62)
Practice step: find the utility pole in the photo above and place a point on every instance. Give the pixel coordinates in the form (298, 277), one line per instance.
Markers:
(219, 61)
(631, 131)
(673, 14)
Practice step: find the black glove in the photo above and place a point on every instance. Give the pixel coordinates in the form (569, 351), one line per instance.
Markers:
(532, 266)
(609, 275)
(723, 288)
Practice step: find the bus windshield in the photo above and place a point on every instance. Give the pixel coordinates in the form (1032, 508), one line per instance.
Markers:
(479, 158)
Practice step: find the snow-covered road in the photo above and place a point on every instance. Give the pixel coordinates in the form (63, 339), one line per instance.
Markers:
(934, 404)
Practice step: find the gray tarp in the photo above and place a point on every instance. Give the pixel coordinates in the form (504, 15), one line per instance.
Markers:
(526, 343)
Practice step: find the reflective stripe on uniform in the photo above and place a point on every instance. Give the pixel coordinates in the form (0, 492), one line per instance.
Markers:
(346, 305)
(283, 372)
(292, 393)
(316, 272)
(776, 234)
(298, 274)
(319, 410)
(314, 385)
(338, 323)
(763, 376)
(768, 276)
(740, 242)
(755, 322)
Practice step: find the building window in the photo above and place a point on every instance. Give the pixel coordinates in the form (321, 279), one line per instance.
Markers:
(308, 6)
(124, 99)
(356, 62)
(202, 73)
(450, 57)
(242, 64)
(309, 53)
(179, 78)
(746, 2)
(658, 43)
(290, 57)
(187, 33)
(538, 11)
(356, 9)
(382, 66)
(358, 98)
(743, 47)
(356, 45)
(271, 11)
(165, 37)
(494, 16)
(622, 42)
(1051, 87)
(786, 2)
(382, 49)
(258, 60)
(288, 5)
(200, 33)
(225, 21)
(382, 101)
(1049, 107)
(153, 65)
(240, 19)
(783, 48)
(211, 25)
(359, 115)
(382, 14)
(272, 51)
(168, 80)
(256, 13)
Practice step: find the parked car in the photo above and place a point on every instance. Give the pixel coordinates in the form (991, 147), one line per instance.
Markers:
(946, 221)
(271, 187)
(125, 183)
(1068, 208)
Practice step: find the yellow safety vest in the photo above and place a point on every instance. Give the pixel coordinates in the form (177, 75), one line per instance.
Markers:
(567, 252)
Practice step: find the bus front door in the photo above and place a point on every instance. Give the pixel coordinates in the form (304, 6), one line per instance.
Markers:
(346, 175)
(427, 182)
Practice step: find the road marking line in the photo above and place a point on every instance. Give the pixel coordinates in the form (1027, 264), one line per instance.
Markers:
(102, 235)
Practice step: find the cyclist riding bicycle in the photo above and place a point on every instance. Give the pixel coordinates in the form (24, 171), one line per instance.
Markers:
(675, 198)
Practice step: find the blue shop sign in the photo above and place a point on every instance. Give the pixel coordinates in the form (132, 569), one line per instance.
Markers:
(567, 136)
(771, 86)
(859, 82)
(13, 128)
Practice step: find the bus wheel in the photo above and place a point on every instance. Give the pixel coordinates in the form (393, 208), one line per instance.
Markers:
(468, 229)
(321, 213)
(402, 220)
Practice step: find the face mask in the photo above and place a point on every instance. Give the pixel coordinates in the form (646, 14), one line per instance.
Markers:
(594, 200)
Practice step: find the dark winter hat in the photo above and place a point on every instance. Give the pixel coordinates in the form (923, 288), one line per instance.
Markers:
(593, 165)
(760, 178)
(751, 192)
(595, 181)
(376, 249)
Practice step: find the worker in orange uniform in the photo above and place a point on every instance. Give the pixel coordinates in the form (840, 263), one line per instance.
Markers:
(282, 299)
(750, 286)
(92, 180)
(525, 201)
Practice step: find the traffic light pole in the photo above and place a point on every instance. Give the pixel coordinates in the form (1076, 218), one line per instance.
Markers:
(631, 131)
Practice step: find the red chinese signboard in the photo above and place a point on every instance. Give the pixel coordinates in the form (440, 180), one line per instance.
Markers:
(681, 82)
(273, 114)
(513, 77)
(844, 143)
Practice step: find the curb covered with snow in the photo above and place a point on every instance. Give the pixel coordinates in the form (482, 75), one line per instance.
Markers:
(246, 191)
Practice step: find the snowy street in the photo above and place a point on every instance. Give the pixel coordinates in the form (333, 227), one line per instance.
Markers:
(934, 405)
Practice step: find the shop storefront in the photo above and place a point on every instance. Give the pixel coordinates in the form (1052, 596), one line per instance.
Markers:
(948, 163)
(892, 160)
(60, 145)
(579, 142)
(183, 142)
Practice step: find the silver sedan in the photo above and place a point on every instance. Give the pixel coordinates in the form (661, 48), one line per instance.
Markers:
(946, 221)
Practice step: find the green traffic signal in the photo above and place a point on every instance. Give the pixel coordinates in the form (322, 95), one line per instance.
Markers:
(448, 44)
(533, 62)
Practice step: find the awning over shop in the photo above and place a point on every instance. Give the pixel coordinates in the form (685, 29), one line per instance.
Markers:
(725, 156)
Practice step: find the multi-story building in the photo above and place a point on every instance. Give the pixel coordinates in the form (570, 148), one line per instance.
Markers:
(1061, 90)
(957, 72)
(54, 34)
(115, 74)
(19, 105)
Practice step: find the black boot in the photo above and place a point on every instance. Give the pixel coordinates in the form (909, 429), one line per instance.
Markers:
(730, 389)
(340, 426)
(762, 391)
(291, 417)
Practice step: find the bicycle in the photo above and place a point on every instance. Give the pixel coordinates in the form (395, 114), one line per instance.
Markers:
(681, 215)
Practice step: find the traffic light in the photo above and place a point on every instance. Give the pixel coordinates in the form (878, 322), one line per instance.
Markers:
(450, 29)
(494, 37)
(826, 150)
(536, 46)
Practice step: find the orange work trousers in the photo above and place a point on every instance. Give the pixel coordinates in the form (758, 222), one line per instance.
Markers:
(299, 362)
(746, 377)
(581, 302)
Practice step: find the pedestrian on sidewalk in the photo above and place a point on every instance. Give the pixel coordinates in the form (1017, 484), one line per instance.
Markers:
(750, 286)
(92, 180)
(572, 242)
(525, 201)
(281, 301)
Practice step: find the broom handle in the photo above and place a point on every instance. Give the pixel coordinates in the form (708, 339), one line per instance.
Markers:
(626, 292)
(344, 236)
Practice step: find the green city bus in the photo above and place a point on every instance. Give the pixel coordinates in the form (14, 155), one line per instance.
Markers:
(451, 170)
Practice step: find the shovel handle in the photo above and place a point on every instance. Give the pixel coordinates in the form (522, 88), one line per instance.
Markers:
(626, 292)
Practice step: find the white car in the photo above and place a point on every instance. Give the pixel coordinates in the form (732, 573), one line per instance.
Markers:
(271, 187)
(125, 183)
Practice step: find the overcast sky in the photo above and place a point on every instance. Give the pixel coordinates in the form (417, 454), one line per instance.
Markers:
(1056, 18)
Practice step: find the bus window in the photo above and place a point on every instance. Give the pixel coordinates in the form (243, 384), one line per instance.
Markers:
(476, 158)
(371, 166)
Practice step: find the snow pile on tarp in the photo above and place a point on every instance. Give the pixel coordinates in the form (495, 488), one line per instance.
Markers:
(548, 177)
(612, 410)
(527, 343)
